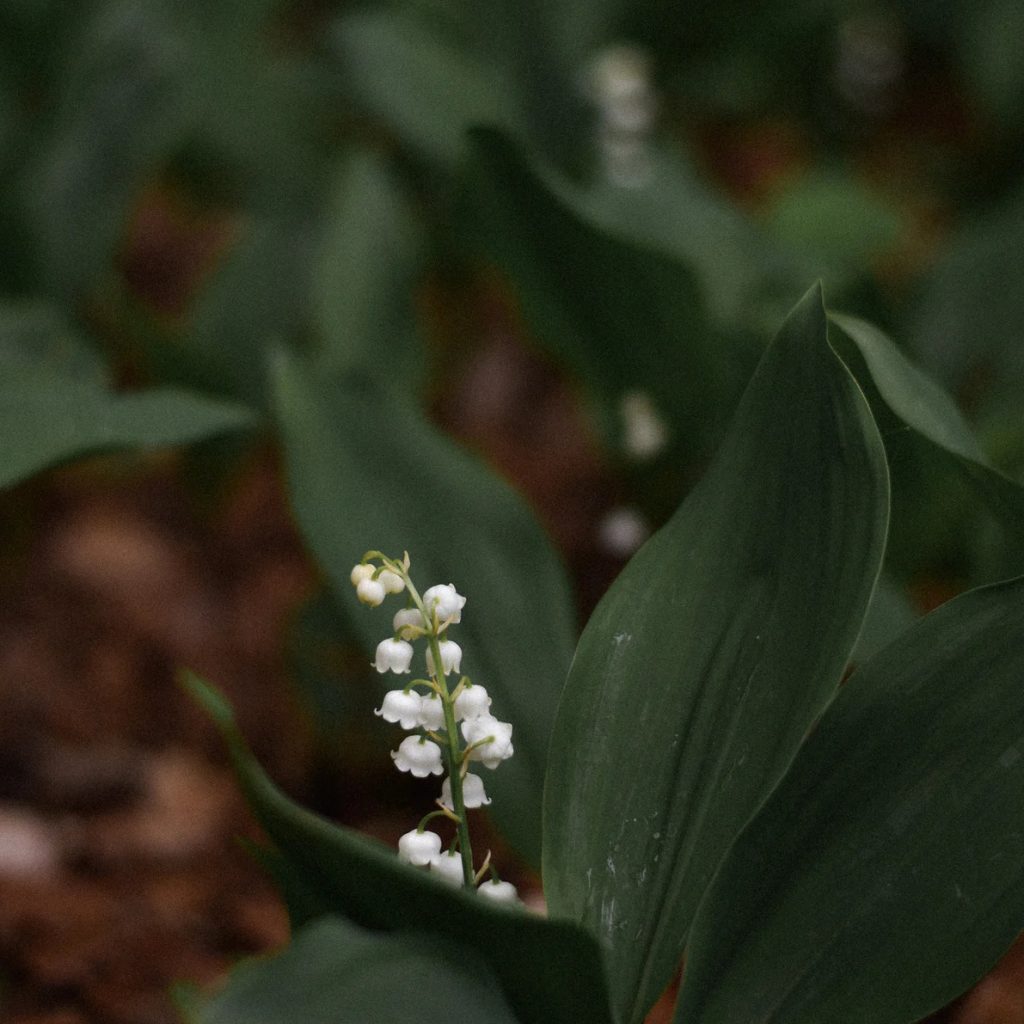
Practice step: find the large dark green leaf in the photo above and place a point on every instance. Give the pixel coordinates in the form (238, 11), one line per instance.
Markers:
(335, 973)
(701, 670)
(366, 470)
(549, 971)
(924, 406)
(885, 873)
(56, 404)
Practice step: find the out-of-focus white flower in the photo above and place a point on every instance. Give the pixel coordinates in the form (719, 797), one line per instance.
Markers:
(393, 656)
(401, 707)
(418, 756)
(371, 592)
(622, 531)
(644, 432)
(490, 740)
(419, 848)
(446, 601)
(431, 714)
(407, 618)
(451, 657)
(472, 702)
(448, 867)
(473, 794)
(500, 892)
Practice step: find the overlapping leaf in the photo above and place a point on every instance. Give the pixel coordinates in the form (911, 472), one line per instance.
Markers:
(884, 874)
(366, 470)
(701, 670)
(549, 971)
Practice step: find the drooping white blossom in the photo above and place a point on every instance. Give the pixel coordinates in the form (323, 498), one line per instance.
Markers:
(451, 657)
(418, 756)
(473, 794)
(446, 601)
(448, 867)
(393, 656)
(419, 848)
(403, 707)
(472, 702)
(431, 715)
(391, 581)
(371, 592)
(500, 892)
(407, 617)
(494, 739)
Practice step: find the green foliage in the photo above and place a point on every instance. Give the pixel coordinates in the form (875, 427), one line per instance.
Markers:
(701, 670)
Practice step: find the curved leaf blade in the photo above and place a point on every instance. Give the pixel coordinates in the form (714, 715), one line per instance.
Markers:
(342, 872)
(701, 670)
(334, 971)
(900, 817)
(923, 405)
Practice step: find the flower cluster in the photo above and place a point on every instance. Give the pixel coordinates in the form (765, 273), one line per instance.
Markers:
(451, 726)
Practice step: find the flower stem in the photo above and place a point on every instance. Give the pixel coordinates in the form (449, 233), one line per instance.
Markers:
(454, 752)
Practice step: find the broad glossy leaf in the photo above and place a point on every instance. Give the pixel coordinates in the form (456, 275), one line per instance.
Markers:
(923, 405)
(701, 670)
(366, 470)
(334, 971)
(885, 873)
(549, 971)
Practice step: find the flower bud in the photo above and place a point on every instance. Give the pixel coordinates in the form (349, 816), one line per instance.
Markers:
(360, 572)
(370, 592)
(407, 617)
(451, 657)
(418, 756)
(448, 867)
(500, 892)
(391, 581)
(419, 848)
(401, 707)
(393, 656)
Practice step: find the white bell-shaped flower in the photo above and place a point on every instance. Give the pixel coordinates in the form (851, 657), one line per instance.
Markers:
(419, 848)
(473, 794)
(401, 707)
(472, 702)
(431, 715)
(370, 592)
(418, 756)
(500, 892)
(494, 739)
(451, 657)
(391, 581)
(448, 867)
(446, 601)
(393, 656)
(360, 572)
(407, 617)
